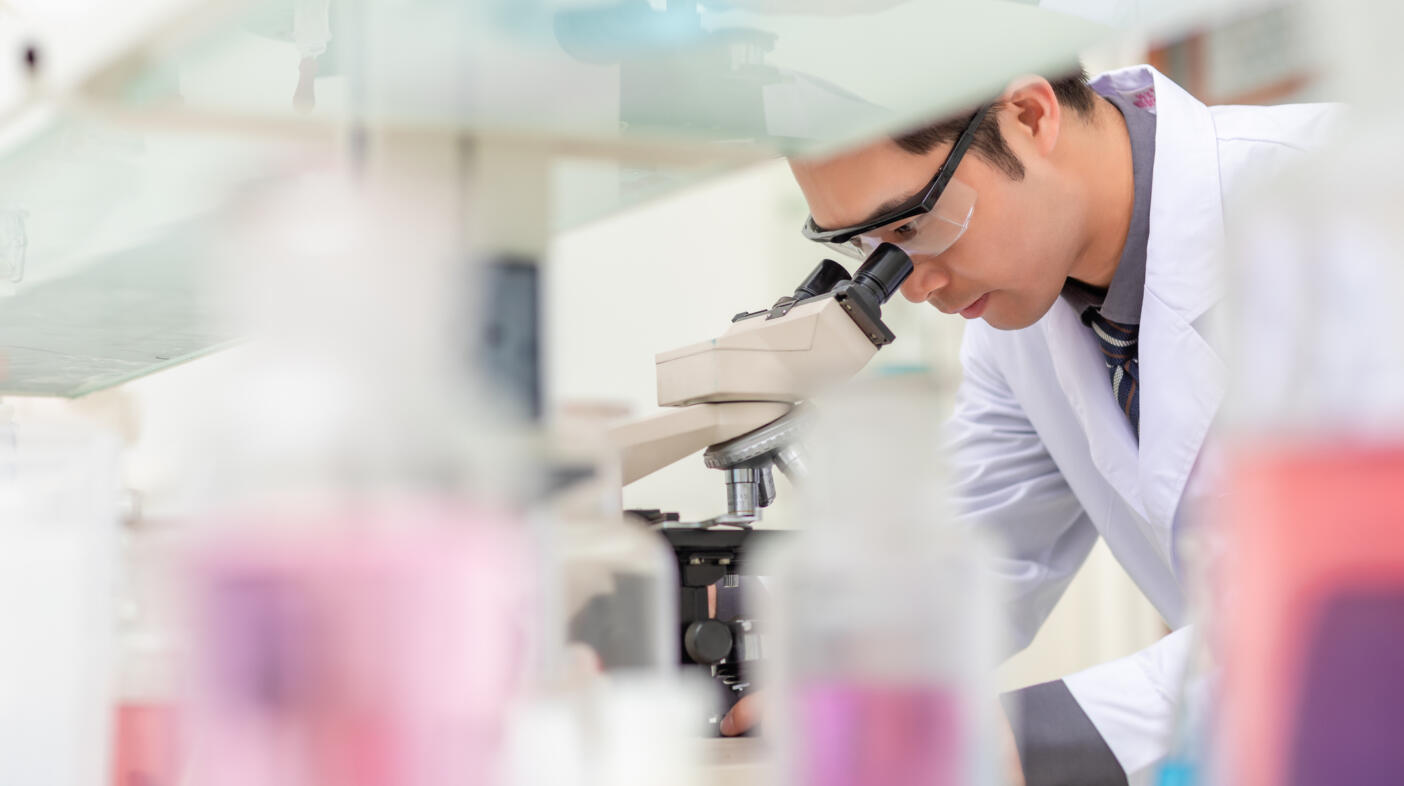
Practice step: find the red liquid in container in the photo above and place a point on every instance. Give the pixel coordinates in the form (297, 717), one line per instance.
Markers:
(146, 751)
(1313, 627)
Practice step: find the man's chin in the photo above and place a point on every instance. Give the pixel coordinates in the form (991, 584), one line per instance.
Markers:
(1002, 321)
(1007, 314)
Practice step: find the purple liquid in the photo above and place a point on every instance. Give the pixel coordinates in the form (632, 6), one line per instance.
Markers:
(854, 734)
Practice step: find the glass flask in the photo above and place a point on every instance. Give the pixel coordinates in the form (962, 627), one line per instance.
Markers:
(884, 616)
(608, 663)
(1313, 609)
(362, 587)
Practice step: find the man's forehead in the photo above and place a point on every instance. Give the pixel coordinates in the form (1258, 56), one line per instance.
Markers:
(850, 187)
(865, 151)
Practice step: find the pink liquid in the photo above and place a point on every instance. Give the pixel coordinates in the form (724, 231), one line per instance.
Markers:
(856, 734)
(382, 649)
(147, 745)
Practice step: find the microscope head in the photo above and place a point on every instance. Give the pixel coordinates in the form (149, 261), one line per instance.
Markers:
(738, 392)
(807, 342)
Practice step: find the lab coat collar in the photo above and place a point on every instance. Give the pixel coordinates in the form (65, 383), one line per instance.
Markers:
(1183, 253)
(1082, 374)
(1181, 376)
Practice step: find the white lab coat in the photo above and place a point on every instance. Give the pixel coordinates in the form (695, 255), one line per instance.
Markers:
(1045, 460)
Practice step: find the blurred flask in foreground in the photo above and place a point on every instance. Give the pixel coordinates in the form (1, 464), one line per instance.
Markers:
(1313, 609)
(885, 620)
(59, 506)
(615, 580)
(14, 245)
(148, 747)
(384, 651)
(363, 590)
(1192, 742)
(606, 699)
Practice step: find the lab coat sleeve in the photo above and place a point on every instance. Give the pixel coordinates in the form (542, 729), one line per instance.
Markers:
(1132, 702)
(1006, 485)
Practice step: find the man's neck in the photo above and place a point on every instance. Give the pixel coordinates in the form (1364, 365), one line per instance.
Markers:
(1102, 156)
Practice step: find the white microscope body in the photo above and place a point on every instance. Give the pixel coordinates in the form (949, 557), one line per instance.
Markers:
(738, 393)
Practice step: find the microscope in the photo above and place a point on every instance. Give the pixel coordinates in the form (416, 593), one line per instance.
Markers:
(739, 398)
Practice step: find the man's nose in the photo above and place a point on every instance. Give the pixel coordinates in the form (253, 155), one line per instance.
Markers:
(927, 277)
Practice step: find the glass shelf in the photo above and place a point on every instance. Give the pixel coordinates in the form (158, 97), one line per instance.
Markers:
(631, 98)
(125, 315)
(104, 238)
(616, 74)
(627, 101)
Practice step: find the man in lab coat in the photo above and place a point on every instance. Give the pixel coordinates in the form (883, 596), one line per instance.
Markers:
(1079, 228)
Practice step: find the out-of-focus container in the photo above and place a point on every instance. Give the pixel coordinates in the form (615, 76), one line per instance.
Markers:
(607, 698)
(383, 650)
(884, 618)
(148, 740)
(58, 570)
(615, 582)
(1312, 589)
(364, 592)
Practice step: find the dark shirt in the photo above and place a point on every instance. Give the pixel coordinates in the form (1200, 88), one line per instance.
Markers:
(1121, 302)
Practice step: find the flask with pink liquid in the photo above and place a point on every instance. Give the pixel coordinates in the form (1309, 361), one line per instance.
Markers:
(885, 622)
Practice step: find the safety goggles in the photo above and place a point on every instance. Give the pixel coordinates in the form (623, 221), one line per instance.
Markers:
(927, 224)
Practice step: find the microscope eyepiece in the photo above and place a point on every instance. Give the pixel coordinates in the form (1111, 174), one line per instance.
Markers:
(884, 271)
(824, 277)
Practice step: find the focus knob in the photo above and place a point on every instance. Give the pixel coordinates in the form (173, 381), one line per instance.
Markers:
(707, 641)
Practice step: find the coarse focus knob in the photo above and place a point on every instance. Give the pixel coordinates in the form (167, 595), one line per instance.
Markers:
(707, 641)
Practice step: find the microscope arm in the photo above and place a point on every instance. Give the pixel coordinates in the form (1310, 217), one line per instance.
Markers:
(648, 445)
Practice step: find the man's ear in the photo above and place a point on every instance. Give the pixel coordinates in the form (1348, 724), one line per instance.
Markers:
(1036, 111)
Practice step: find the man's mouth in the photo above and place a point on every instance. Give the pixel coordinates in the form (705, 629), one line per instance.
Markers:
(974, 310)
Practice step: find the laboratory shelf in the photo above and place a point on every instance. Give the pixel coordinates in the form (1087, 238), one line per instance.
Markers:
(125, 314)
(608, 75)
(630, 99)
(107, 235)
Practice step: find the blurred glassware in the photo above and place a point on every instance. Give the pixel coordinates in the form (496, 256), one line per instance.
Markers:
(617, 580)
(58, 566)
(1314, 607)
(148, 748)
(385, 650)
(1191, 746)
(608, 664)
(14, 241)
(365, 588)
(885, 621)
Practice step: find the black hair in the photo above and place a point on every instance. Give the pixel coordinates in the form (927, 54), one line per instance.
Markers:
(1071, 91)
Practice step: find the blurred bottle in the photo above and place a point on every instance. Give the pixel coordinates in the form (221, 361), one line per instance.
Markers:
(58, 567)
(14, 245)
(1191, 749)
(363, 596)
(609, 660)
(884, 620)
(148, 749)
(616, 581)
(1314, 607)
(385, 657)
